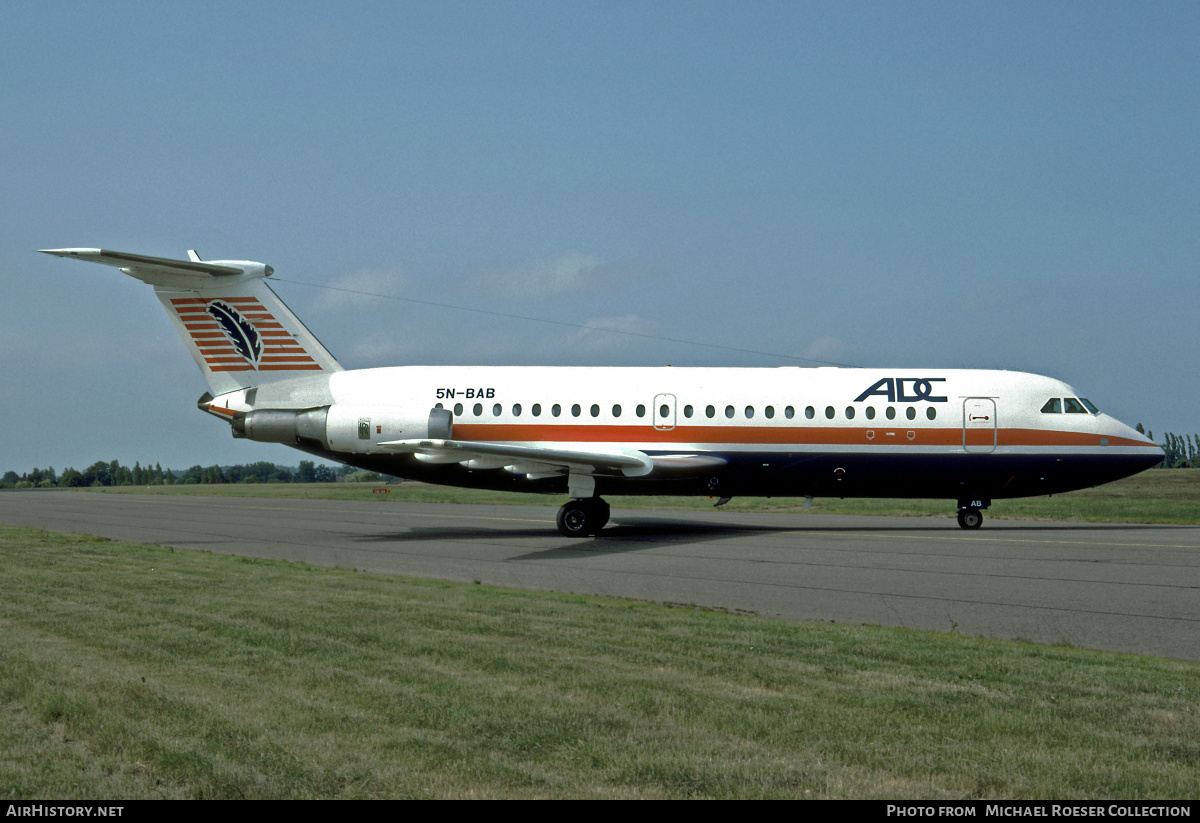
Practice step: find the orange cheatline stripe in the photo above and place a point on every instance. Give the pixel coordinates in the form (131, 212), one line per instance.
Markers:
(773, 435)
(244, 367)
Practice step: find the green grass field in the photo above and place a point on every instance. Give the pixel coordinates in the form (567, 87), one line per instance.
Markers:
(130, 671)
(1156, 496)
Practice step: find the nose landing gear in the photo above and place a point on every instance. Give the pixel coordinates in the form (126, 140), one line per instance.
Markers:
(970, 515)
(582, 517)
(970, 518)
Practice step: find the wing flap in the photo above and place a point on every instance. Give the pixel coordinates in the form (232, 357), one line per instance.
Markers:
(628, 462)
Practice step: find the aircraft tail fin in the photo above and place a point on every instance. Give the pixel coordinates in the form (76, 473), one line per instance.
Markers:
(238, 330)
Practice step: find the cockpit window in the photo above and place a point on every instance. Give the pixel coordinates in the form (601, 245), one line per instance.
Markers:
(1073, 406)
(1053, 406)
(1090, 405)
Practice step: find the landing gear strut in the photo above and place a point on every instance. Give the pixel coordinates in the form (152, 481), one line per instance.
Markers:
(582, 517)
(970, 515)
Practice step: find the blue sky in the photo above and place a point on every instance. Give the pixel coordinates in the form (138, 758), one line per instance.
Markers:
(1000, 185)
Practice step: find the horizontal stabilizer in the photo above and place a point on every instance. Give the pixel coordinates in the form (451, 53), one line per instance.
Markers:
(147, 268)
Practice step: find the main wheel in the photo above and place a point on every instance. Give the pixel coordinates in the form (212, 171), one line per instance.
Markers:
(582, 517)
(576, 519)
(970, 518)
(602, 513)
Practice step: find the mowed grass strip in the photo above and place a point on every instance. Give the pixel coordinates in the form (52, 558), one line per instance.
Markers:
(1155, 496)
(132, 671)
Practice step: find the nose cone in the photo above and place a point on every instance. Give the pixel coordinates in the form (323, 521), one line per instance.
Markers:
(1138, 450)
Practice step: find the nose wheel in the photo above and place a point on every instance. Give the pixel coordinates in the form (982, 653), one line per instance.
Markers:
(582, 517)
(970, 518)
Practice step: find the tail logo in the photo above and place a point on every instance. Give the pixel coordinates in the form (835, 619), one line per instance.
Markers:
(238, 329)
(234, 334)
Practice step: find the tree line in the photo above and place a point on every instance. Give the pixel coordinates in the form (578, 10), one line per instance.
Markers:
(114, 474)
(1182, 451)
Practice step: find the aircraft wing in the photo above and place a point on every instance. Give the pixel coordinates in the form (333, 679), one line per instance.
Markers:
(582, 458)
(628, 462)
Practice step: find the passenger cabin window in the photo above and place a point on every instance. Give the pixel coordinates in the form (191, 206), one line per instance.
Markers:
(789, 412)
(595, 410)
(617, 410)
(910, 413)
(575, 410)
(641, 410)
(537, 409)
(687, 411)
(1053, 406)
(810, 412)
(556, 410)
(709, 411)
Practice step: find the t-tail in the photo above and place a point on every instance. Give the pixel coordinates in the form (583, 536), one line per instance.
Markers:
(238, 330)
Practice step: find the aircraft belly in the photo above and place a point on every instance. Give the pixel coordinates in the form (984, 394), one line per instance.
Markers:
(821, 474)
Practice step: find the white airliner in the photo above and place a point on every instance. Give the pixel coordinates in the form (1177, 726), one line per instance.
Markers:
(965, 435)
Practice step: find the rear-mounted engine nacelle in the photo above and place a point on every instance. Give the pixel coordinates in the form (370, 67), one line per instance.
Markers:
(343, 427)
(362, 428)
(282, 426)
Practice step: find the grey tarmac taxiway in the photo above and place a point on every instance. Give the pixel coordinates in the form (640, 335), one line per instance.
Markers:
(1119, 587)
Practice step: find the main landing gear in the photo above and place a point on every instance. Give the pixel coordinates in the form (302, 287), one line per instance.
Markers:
(969, 514)
(582, 516)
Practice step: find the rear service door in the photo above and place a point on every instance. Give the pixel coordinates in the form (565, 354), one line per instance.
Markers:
(664, 412)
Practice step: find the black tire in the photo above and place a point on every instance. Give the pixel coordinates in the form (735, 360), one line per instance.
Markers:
(602, 513)
(576, 519)
(970, 518)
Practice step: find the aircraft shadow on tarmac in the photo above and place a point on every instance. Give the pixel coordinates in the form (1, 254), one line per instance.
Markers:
(626, 527)
(632, 534)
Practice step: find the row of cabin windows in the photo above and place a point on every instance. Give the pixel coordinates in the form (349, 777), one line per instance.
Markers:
(1069, 405)
(789, 412)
